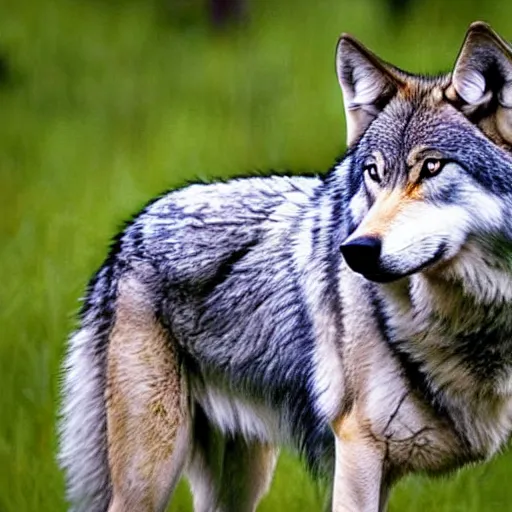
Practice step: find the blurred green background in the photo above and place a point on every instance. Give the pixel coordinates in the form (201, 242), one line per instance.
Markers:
(104, 104)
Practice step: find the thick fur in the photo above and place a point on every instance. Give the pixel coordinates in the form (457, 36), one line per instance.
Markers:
(225, 321)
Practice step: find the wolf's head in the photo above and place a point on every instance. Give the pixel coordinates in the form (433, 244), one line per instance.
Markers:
(430, 159)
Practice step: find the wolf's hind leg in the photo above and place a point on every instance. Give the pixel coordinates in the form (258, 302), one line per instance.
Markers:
(147, 410)
(246, 474)
(228, 474)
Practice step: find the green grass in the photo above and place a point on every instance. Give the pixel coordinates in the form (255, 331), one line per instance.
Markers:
(109, 103)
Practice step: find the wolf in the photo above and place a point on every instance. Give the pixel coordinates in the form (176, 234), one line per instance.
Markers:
(362, 317)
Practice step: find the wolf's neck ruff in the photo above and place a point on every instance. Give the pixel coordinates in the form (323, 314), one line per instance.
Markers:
(453, 338)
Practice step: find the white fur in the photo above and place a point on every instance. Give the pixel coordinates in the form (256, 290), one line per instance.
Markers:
(329, 382)
(488, 283)
(470, 85)
(359, 205)
(328, 378)
(368, 85)
(232, 414)
(82, 423)
(416, 234)
(418, 231)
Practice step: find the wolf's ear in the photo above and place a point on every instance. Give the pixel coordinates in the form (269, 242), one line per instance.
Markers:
(367, 83)
(482, 77)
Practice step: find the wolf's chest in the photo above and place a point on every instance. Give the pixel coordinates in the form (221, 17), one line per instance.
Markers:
(466, 375)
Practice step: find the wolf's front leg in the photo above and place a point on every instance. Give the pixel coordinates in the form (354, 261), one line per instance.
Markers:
(359, 481)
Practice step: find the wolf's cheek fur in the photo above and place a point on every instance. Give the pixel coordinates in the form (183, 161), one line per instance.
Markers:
(422, 229)
(421, 233)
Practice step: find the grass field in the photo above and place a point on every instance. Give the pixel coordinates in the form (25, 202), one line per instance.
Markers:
(103, 105)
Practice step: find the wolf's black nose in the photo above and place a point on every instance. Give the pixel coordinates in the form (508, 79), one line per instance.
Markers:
(362, 254)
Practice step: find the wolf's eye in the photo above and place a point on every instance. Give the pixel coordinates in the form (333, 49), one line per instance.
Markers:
(431, 167)
(373, 172)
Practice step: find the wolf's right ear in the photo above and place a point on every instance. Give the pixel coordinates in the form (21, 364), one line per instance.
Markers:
(482, 77)
(367, 82)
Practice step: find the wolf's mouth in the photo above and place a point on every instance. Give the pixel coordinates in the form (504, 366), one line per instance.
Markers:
(389, 277)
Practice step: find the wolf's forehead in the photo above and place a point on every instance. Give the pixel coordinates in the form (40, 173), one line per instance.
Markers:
(388, 135)
(410, 125)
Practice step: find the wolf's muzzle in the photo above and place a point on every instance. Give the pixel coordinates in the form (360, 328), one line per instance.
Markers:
(362, 254)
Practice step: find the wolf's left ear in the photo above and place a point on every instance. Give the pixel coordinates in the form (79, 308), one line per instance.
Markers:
(482, 77)
(367, 82)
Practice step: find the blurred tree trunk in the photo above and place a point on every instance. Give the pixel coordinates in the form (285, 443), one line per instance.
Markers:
(5, 74)
(226, 12)
(399, 8)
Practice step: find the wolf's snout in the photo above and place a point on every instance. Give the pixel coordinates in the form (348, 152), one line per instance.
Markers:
(362, 254)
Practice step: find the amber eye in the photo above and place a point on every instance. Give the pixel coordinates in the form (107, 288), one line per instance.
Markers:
(431, 167)
(373, 172)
